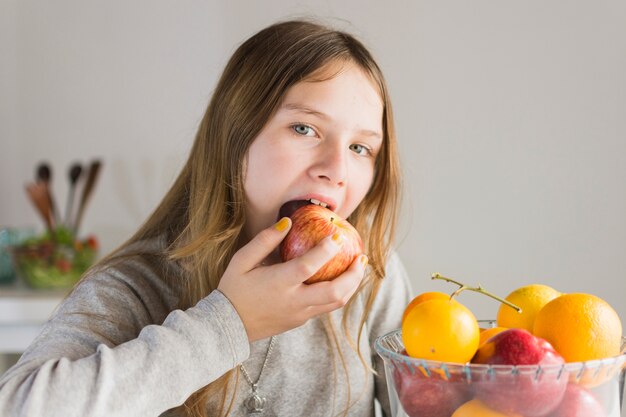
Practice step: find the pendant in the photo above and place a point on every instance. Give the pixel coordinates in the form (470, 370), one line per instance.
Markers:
(255, 403)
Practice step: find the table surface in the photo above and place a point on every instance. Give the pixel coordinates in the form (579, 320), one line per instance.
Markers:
(23, 311)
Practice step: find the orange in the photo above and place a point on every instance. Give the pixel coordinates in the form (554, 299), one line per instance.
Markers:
(441, 330)
(488, 333)
(421, 298)
(531, 299)
(475, 408)
(580, 327)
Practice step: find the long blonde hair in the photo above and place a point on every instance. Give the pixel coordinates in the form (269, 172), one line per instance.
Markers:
(202, 215)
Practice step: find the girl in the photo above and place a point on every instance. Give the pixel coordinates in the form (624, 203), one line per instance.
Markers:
(195, 315)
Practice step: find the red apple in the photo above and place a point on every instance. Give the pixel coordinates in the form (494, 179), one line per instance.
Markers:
(516, 347)
(311, 224)
(526, 389)
(423, 395)
(579, 402)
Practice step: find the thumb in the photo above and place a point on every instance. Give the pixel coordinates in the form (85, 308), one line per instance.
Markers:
(253, 253)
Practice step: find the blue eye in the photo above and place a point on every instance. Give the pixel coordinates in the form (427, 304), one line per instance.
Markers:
(360, 149)
(303, 130)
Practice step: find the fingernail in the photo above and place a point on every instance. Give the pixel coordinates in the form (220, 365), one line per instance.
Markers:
(338, 238)
(282, 224)
(363, 260)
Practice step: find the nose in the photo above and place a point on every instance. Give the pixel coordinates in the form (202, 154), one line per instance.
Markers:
(332, 165)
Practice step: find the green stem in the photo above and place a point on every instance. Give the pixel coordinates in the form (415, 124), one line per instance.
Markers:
(479, 289)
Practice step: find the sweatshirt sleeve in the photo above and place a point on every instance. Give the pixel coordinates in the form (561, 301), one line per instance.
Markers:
(386, 315)
(99, 355)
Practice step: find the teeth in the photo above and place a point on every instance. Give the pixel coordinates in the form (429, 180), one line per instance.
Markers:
(319, 203)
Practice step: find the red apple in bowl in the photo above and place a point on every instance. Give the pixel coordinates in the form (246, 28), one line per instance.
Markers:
(310, 224)
(579, 402)
(525, 389)
(429, 394)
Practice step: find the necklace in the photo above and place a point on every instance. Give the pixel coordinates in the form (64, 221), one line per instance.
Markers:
(256, 402)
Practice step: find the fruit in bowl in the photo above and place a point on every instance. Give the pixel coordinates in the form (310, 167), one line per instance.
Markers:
(588, 327)
(458, 386)
(531, 299)
(579, 402)
(475, 408)
(526, 393)
(54, 260)
(430, 393)
(513, 372)
(441, 329)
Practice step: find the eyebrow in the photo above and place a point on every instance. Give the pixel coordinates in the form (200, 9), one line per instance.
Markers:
(307, 110)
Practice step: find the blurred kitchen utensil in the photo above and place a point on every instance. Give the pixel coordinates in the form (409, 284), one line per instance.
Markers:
(74, 174)
(92, 176)
(44, 176)
(38, 194)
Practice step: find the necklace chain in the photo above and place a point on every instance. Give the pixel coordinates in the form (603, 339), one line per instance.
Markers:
(256, 403)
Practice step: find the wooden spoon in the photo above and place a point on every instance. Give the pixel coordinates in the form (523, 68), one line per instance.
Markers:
(38, 194)
(44, 176)
(92, 176)
(74, 175)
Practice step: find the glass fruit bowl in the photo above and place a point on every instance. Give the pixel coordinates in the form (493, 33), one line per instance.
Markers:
(423, 388)
(46, 262)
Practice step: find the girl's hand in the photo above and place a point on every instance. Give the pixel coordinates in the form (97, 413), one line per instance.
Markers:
(273, 299)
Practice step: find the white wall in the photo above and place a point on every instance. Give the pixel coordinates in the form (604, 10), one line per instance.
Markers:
(511, 118)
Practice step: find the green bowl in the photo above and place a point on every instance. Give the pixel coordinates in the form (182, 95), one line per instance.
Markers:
(47, 264)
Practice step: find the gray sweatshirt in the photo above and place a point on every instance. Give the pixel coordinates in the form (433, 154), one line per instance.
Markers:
(118, 347)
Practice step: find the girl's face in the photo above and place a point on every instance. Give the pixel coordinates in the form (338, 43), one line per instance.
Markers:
(321, 144)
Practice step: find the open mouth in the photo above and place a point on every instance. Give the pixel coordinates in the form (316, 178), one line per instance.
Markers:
(290, 207)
